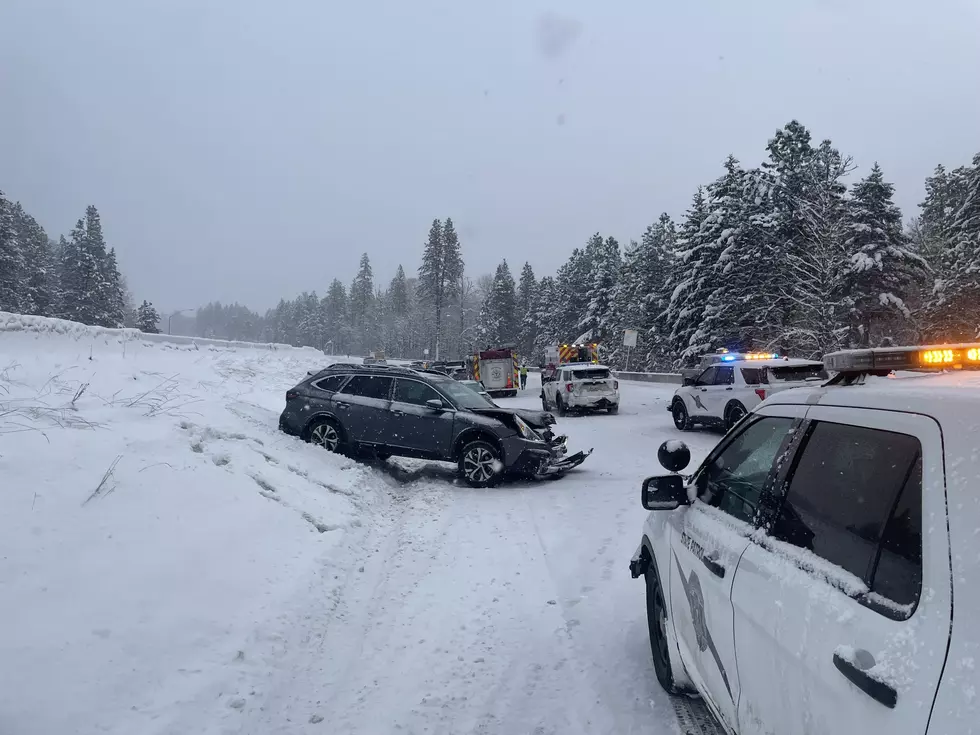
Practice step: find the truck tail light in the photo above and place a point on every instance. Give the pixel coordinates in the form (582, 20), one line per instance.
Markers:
(761, 392)
(568, 387)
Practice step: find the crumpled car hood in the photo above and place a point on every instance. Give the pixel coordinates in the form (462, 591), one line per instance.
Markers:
(534, 419)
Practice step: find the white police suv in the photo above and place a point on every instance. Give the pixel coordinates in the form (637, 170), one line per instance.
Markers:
(722, 393)
(580, 386)
(820, 571)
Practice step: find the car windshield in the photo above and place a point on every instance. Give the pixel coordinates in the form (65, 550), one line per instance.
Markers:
(463, 395)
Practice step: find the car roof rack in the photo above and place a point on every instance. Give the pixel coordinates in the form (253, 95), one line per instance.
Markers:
(852, 366)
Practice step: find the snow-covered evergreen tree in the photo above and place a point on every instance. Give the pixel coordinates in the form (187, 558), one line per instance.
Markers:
(147, 318)
(362, 308)
(440, 272)
(336, 322)
(599, 317)
(685, 307)
(498, 323)
(958, 303)
(526, 289)
(882, 269)
(12, 261)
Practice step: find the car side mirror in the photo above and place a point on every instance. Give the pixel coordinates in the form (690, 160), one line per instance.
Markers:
(435, 404)
(687, 382)
(665, 492)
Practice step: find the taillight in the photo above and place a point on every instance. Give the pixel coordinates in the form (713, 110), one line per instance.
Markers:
(615, 385)
(761, 392)
(568, 387)
(291, 394)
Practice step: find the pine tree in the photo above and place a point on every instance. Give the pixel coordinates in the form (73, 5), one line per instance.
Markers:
(335, 319)
(12, 265)
(599, 320)
(362, 307)
(545, 326)
(525, 305)
(147, 318)
(113, 292)
(440, 271)
(498, 317)
(684, 310)
(882, 269)
(816, 287)
(960, 291)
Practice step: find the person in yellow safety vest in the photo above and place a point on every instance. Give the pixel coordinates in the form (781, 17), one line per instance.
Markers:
(523, 376)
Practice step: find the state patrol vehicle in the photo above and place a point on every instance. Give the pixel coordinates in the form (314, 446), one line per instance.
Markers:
(581, 386)
(722, 393)
(805, 578)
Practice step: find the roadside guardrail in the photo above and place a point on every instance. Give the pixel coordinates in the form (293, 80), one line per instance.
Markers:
(674, 378)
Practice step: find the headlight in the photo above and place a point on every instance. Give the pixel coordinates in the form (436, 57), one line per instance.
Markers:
(526, 431)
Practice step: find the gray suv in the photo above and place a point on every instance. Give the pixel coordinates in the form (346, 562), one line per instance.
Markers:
(387, 410)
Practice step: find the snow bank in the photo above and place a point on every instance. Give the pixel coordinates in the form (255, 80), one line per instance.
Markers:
(153, 521)
(43, 325)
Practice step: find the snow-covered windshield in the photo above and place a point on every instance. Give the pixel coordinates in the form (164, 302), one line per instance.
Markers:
(461, 395)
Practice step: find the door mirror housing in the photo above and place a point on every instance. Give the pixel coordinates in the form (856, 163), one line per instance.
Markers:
(435, 404)
(664, 492)
(687, 382)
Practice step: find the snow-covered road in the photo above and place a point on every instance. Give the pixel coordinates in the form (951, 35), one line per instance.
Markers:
(502, 611)
(230, 579)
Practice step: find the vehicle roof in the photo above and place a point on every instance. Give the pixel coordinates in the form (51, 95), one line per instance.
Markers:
(950, 396)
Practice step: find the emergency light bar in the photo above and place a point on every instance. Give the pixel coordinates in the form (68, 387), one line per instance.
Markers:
(886, 359)
(731, 357)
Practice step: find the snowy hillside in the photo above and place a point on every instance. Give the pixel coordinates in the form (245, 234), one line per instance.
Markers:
(171, 564)
(153, 522)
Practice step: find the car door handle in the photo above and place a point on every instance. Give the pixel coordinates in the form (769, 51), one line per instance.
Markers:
(704, 390)
(713, 566)
(342, 405)
(396, 412)
(877, 690)
(728, 388)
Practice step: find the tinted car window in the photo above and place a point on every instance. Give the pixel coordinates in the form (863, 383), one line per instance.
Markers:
(752, 376)
(898, 574)
(733, 480)
(412, 391)
(331, 383)
(591, 374)
(368, 386)
(464, 396)
(842, 493)
(725, 375)
(798, 372)
(708, 376)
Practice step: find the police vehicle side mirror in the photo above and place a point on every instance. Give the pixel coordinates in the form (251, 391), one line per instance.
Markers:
(687, 381)
(435, 404)
(665, 492)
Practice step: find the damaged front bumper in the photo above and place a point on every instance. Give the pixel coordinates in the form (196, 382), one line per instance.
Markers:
(548, 461)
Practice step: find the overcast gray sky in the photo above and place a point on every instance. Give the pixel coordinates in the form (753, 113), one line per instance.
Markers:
(243, 150)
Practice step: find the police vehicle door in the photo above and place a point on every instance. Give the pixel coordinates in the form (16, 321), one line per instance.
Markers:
(842, 621)
(712, 535)
(697, 398)
(717, 395)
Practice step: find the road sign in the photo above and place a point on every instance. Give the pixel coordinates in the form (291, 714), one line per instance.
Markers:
(629, 338)
(426, 352)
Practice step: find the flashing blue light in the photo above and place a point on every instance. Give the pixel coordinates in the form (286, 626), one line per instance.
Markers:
(728, 358)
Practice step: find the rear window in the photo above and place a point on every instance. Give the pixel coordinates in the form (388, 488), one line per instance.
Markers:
(590, 374)
(369, 386)
(753, 376)
(791, 373)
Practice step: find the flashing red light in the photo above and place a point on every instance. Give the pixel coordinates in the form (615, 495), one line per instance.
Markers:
(761, 392)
